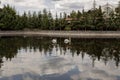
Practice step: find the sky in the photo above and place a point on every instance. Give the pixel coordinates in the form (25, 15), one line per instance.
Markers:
(54, 5)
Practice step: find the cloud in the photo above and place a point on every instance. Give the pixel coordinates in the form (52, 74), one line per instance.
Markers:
(55, 5)
(56, 0)
(19, 0)
(26, 5)
(73, 6)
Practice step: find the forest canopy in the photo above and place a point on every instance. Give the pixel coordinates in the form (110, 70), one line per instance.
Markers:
(92, 19)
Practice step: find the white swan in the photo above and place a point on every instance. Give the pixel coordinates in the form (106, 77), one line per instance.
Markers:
(54, 41)
(66, 41)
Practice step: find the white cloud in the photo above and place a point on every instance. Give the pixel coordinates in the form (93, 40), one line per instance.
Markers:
(55, 5)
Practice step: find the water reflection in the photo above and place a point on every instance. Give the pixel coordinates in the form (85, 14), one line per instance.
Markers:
(37, 58)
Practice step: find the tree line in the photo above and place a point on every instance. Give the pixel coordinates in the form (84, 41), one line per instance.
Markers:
(93, 19)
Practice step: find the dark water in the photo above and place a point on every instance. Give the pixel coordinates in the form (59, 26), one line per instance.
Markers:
(37, 58)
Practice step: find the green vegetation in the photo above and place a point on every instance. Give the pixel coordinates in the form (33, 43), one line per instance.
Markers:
(44, 20)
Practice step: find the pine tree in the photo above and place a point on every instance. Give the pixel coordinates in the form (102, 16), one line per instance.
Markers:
(117, 20)
(30, 24)
(8, 16)
(45, 19)
(56, 22)
(99, 19)
(39, 20)
(34, 20)
(50, 21)
(24, 21)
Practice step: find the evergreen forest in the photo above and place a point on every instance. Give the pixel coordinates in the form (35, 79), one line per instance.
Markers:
(92, 19)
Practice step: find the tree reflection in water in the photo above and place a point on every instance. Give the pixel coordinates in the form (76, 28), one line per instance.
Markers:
(97, 49)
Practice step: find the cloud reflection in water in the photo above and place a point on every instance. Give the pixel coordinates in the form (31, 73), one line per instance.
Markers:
(58, 63)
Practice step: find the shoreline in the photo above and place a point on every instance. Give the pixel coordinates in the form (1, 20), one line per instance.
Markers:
(72, 34)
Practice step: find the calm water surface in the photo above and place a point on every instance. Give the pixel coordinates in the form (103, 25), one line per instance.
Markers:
(37, 58)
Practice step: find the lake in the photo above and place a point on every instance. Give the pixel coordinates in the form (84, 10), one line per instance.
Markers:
(38, 58)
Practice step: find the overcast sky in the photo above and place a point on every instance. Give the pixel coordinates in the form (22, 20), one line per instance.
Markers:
(54, 5)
